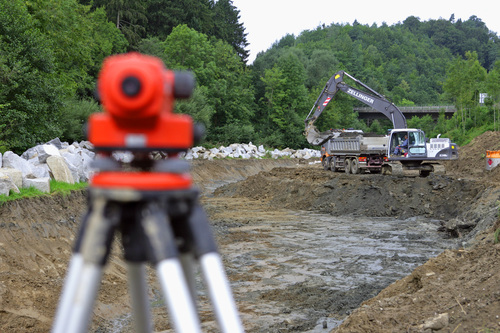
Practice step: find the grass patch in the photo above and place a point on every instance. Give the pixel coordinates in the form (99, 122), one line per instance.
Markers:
(55, 187)
(65, 188)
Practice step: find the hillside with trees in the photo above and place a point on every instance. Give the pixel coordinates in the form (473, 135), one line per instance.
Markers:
(51, 52)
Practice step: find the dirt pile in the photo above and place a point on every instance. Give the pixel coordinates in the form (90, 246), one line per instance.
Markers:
(369, 195)
(471, 161)
(35, 244)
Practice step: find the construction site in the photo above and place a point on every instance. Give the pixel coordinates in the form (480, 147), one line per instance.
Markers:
(305, 250)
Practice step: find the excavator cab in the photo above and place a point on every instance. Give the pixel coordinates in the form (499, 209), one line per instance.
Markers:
(406, 144)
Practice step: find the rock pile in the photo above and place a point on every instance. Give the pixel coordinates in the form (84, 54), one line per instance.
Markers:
(247, 151)
(72, 163)
(52, 160)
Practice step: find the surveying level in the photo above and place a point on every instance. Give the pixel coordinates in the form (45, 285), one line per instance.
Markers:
(152, 203)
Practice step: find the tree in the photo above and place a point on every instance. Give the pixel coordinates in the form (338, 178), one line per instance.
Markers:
(274, 96)
(227, 26)
(128, 15)
(164, 15)
(30, 95)
(223, 76)
(493, 88)
(287, 100)
(462, 85)
(78, 52)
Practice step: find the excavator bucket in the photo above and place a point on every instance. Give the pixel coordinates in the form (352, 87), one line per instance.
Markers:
(314, 137)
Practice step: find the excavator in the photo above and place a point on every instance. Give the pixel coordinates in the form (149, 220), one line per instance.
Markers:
(403, 151)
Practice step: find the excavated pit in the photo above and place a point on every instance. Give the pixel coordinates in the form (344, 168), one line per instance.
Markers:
(302, 247)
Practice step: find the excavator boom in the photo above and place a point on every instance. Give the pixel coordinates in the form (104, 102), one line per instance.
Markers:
(372, 99)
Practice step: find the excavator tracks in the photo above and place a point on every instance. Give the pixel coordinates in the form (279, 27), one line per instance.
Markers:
(398, 170)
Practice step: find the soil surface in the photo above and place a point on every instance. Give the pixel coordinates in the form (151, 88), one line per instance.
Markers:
(305, 250)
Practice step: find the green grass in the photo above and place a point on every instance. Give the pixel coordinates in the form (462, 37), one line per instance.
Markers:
(65, 188)
(55, 187)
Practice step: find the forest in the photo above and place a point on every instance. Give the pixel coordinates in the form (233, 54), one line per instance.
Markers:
(51, 52)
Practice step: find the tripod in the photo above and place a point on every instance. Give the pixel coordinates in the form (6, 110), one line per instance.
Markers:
(161, 222)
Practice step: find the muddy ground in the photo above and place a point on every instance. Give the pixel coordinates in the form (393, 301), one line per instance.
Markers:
(305, 250)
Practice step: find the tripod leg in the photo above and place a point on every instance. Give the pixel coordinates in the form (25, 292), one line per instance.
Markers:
(84, 298)
(138, 294)
(178, 296)
(213, 272)
(70, 283)
(170, 272)
(85, 271)
(188, 264)
(220, 293)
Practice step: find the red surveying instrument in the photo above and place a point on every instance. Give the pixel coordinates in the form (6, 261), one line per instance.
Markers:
(152, 203)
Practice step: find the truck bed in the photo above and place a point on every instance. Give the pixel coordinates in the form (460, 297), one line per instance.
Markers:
(357, 145)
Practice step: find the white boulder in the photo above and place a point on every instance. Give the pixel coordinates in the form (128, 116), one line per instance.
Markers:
(14, 161)
(59, 169)
(41, 184)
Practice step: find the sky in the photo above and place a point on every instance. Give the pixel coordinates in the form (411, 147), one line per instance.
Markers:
(266, 21)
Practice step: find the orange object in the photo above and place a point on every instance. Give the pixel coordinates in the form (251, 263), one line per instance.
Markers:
(138, 94)
(142, 181)
(493, 154)
(492, 159)
(135, 86)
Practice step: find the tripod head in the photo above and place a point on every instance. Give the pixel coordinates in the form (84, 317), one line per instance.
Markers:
(138, 94)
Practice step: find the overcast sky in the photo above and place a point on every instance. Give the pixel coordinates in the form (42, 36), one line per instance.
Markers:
(266, 21)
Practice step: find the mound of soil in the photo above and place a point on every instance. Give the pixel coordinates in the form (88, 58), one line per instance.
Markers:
(471, 161)
(369, 195)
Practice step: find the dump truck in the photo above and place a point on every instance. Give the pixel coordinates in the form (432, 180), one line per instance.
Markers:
(354, 152)
(403, 151)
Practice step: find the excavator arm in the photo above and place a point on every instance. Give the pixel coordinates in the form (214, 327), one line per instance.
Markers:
(333, 85)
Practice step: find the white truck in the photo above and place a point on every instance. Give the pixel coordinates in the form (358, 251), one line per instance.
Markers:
(356, 152)
(403, 151)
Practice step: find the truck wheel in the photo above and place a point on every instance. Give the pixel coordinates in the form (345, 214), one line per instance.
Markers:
(355, 166)
(333, 164)
(325, 162)
(347, 166)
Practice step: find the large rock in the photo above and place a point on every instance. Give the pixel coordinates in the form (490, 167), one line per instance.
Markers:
(56, 142)
(44, 151)
(15, 176)
(79, 163)
(41, 184)
(14, 161)
(38, 170)
(6, 185)
(30, 153)
(59, 169)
